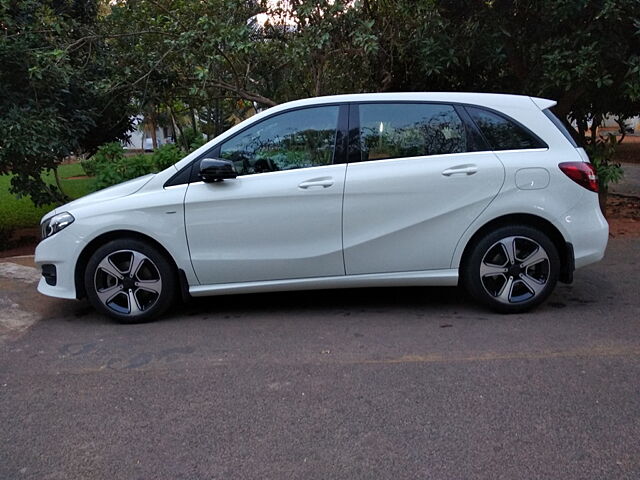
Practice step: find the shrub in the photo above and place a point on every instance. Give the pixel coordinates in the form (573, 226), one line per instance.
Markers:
(106, 154)
(191, 139)
(197, 143)
(122, 169)
(601, 153)
(110, 165)
(88, 166)
(166, 156)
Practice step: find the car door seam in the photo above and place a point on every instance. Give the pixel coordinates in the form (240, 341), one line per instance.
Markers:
(504, 179)
(186, 234)
(344, 187)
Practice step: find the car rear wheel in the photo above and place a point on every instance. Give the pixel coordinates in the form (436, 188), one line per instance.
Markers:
(130, 281)
(512, 269)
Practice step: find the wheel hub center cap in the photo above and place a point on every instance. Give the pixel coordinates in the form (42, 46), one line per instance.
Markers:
(128, 283)
(515, 271)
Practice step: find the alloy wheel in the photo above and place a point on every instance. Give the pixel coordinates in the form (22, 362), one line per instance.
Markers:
(127, 282)
(515, 269)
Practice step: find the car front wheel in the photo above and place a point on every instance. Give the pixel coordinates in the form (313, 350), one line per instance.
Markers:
(512, 269)
(130, 281)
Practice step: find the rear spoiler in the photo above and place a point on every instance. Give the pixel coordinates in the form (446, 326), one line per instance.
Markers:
(543, 103)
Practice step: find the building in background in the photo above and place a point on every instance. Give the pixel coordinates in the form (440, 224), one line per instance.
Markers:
(141, 138)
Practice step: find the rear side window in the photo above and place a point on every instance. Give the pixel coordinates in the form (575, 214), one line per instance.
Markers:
(561, 126)
(389, 130)
(502, 133)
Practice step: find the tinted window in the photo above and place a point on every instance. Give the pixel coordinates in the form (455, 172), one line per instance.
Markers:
(562, 127)
(409, 130)
(298, 139)
(502, 133)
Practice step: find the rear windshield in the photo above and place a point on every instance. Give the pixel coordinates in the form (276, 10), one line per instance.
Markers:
(567, 131)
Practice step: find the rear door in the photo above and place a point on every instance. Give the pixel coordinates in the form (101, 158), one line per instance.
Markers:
(416, 185)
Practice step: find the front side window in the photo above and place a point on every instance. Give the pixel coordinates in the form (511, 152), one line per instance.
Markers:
(502, 133)
(390, 130)
(298, 139)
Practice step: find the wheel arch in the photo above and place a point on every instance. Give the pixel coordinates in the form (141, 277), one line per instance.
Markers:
(565, 249)
(93, 245)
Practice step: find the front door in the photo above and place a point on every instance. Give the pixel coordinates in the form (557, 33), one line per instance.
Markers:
(282, 217)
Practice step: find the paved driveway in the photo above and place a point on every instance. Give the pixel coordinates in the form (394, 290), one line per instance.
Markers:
(371, 384)
(630, 183)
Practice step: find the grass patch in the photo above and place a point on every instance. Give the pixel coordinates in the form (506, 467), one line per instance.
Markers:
(22, 213)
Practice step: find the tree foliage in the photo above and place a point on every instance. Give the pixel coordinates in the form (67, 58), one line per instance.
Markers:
(70, 66)
(110, 165)
(584, 53)
(54, 100)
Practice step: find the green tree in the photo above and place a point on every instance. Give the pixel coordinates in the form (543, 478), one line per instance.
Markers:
(583, 53)
(205, 63)
(207, 54)
(53, 97)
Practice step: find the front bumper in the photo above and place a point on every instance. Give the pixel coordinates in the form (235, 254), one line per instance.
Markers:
(59, 252)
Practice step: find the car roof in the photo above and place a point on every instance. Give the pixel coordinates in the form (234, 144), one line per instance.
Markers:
(481, 99)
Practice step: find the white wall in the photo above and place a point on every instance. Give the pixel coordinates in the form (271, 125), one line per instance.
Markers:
(138, 137)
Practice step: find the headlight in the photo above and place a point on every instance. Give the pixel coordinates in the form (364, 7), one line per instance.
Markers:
(56, 223)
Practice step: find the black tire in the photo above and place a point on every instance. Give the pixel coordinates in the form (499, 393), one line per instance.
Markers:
(511, 287)
(130, 297)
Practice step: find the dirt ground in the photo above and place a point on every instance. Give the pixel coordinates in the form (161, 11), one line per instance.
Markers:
(23, 242)
(629, 150)
(623, 215)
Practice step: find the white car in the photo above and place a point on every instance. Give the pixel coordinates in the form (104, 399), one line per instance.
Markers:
(374, 190)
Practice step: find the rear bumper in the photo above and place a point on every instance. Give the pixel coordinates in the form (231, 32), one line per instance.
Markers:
(588, 231)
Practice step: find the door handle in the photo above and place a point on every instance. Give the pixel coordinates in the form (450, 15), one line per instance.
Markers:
(325, 182)
(460, 170)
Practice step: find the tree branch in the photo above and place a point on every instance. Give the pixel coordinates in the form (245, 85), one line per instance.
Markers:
(252, 96)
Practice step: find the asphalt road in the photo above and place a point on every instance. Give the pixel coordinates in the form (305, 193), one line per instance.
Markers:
(371, 384)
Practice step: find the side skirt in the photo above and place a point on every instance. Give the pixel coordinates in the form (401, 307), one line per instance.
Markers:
(447, 277)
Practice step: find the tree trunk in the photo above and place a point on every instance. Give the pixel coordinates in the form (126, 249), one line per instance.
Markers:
(582, 128)
(154, 133)
(567, 101)
(216, 131)
(602, 197)
(319, 73)
(176, 125)
(194, 124)
(595, 123)
(56, 175)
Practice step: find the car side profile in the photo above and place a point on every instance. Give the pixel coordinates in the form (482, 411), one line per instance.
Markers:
(487, 191)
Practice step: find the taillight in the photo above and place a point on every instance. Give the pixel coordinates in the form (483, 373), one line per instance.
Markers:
(582, 173)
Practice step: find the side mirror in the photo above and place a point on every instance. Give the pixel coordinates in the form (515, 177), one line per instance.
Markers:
(216, 170)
